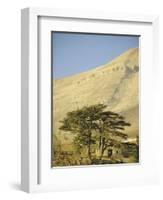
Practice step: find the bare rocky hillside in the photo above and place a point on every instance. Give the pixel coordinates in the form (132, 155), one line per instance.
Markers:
(115, 84)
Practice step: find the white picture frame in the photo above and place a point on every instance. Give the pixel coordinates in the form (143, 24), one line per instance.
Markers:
(36, 173)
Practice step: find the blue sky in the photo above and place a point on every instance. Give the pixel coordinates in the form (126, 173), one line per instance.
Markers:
(74, 53)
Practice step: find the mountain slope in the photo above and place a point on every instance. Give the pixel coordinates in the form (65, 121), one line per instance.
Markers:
(115, 84)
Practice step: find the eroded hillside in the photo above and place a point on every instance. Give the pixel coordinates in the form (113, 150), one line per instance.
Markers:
(115, 84)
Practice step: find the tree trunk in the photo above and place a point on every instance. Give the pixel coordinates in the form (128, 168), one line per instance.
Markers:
(89, 148)
(89, 153)
(101, 148)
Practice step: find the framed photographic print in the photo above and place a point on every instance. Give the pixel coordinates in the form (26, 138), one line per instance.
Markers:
(89, 92)
(95, 117)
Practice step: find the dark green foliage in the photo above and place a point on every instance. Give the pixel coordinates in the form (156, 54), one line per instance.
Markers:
(130, 149)
(93, 125)
(82, 122)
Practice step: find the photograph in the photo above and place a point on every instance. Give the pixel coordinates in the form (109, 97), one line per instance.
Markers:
(95, 99)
